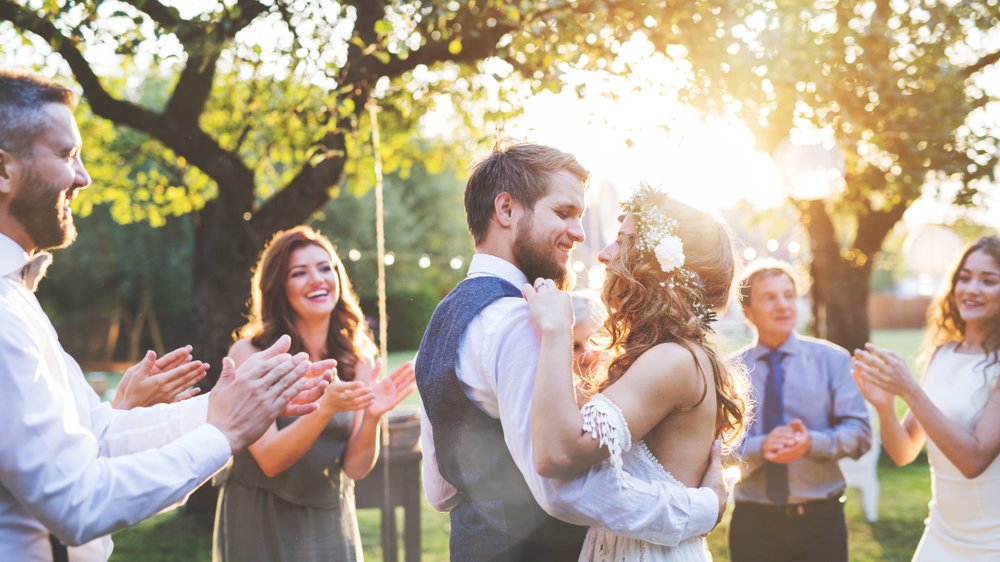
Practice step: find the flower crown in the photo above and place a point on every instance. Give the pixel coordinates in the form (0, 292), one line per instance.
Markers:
(655, 234)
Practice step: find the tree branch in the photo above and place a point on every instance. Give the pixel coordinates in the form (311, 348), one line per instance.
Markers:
(368, 13)
(873, 226)
(306, 192)
(234, 178)
(193, 88)
(203, 43)
(309, 188)
(434, 52)
(166, 16)
(980, 64)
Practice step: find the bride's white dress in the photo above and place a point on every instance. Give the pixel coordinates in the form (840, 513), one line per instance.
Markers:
(604, 420)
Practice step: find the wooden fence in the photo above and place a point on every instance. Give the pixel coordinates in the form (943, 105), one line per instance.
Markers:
(889, 312)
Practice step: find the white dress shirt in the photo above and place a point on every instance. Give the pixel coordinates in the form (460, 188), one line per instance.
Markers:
(70, 464)
(497, 358)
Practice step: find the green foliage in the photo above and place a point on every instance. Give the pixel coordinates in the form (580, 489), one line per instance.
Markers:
(884, 78)
(115, 266)
(424, 215)
(409, 313)
(288, 103)
(134, 175)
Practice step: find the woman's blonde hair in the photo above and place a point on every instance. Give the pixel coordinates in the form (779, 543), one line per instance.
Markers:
(646, 308)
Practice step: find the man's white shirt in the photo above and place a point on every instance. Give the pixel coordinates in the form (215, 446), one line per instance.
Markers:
(71, 465)
(497, 358)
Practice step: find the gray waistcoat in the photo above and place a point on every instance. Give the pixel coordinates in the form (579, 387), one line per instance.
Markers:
(497, 519)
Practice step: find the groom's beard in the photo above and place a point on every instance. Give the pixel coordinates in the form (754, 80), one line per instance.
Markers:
(535, 257)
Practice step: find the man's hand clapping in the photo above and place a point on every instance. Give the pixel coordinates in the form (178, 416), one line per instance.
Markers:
(787, 443)
(247, 400)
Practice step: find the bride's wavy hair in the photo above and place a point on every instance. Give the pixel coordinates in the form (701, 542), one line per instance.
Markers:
(271, 315)
(945, 324)
(646, 308)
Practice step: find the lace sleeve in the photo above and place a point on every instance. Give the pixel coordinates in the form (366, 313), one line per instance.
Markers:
(603, 420)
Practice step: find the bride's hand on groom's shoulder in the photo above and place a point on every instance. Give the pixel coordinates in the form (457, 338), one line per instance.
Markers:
(551, 309)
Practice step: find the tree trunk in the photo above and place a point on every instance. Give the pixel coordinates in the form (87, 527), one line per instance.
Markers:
(842, 277)
(840, 301)
(224, 254)
(840, 282)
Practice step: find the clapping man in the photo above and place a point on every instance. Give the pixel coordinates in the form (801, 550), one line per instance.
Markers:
(73, 469)
(789, 503)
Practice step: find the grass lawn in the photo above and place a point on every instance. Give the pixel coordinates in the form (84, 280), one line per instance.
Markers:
(170, 537)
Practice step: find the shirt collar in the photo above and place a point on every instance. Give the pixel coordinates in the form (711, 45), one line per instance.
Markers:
(789, 347)
(486, 264)
(12, 256)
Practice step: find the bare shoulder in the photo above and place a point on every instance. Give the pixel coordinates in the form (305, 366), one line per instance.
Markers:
(669, 366)
(241, 351)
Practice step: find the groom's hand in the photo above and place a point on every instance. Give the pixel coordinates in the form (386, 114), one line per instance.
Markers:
(713, 479)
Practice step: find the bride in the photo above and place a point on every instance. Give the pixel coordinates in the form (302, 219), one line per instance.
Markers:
(666, 394)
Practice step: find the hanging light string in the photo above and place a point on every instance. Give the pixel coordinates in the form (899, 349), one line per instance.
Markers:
(423, 260)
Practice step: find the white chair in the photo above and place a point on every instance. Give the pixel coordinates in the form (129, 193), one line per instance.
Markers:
(863, 473)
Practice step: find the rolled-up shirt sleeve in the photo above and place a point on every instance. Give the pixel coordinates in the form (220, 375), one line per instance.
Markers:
(122, 432)
(441, 495)
(55, 467)
(658, 512)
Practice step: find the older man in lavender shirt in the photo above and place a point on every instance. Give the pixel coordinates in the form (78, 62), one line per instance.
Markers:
(789, 503)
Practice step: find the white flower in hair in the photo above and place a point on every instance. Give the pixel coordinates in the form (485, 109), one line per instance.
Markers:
(670, 253)
(655, 233)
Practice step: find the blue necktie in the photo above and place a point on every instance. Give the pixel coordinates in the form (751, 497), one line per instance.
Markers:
(774, 407)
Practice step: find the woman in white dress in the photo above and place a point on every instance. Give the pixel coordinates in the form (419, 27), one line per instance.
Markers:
(956, 410)
(667, 393)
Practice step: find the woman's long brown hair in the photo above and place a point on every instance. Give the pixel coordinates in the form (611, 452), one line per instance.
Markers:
(271, 315)
(645, 309)
(945, 324)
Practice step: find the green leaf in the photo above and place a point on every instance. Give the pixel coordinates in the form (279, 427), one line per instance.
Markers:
(383, 27)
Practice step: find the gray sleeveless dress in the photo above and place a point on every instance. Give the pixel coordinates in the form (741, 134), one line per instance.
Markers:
(306, 513)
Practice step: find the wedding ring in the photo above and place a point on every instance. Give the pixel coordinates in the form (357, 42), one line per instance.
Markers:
(344, 395)
(539, 282)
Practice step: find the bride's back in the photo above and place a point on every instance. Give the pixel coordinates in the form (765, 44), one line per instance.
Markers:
(682, 441)
(673, 385)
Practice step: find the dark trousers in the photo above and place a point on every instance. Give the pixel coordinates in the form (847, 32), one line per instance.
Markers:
(769, 534)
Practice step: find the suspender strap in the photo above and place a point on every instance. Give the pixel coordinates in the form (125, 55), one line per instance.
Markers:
(59, 552)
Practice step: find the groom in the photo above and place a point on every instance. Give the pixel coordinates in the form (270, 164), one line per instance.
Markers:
(475, 371)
